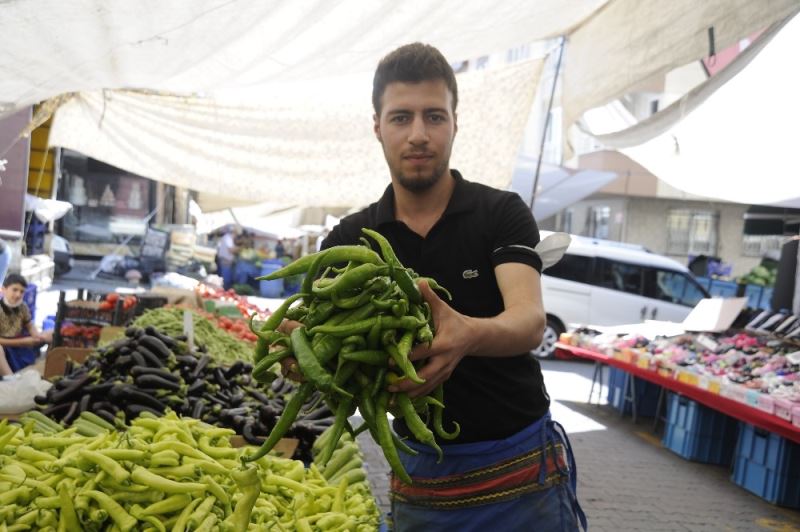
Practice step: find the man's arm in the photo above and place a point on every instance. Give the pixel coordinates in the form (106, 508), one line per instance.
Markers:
(519, 328)
(516, 330)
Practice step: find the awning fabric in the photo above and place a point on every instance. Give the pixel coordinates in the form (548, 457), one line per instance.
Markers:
(101, 50)
(629, 41)
(294, 148)
(51, 47)
(740, 145)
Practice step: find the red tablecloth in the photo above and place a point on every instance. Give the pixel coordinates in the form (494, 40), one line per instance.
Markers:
(715, 401)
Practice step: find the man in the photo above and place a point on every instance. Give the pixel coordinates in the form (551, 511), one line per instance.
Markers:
(226, 257)
(479, 243)
(20, 340)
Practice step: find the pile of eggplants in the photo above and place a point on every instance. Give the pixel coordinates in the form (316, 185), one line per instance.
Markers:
(148, 371)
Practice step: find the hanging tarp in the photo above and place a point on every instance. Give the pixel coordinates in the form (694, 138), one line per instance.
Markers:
(297, 147)
(631, 41)
(52, 47)
(740, 144)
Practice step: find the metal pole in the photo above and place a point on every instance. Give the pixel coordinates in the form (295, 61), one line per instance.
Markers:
(547, 121)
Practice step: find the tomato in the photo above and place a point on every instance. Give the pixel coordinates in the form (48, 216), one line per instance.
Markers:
(106, 305)
(112, 297)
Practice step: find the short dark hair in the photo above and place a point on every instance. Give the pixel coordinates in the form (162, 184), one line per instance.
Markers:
(15, 278)
(412, 63)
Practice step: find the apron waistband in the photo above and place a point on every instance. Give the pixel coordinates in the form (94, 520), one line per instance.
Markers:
(535, 470)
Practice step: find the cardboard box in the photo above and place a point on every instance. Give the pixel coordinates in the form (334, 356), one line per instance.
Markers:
(57, 357)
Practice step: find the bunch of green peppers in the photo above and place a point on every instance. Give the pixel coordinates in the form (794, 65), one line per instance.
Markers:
(360, 313)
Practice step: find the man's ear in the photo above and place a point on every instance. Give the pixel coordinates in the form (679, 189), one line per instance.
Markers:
(376, 127)
(455, 124)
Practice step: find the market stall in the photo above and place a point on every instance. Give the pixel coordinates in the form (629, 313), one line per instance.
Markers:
(168, 410)
(730, 397)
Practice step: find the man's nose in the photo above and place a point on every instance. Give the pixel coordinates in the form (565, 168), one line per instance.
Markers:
(419, 131)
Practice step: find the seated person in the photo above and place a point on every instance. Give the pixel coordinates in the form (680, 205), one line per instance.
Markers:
(20, 340)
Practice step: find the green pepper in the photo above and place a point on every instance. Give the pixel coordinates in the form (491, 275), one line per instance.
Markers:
(417, 427)
(385, 439)
(283, 424)
(310, 365)
(438, 394)
(333, 255)
(352, 279)
(373, 357)
(399, 273)
(121, 518)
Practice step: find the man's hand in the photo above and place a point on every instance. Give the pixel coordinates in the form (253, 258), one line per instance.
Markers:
(451, 342)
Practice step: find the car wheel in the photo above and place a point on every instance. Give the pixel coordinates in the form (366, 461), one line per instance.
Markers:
(547, 349)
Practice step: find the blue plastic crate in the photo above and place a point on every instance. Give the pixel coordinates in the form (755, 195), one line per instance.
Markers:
(698, 433)
(29, 297)
(767, 465)
(646, 394)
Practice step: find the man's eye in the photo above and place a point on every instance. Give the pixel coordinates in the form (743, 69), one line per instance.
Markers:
(399, 119)
(437, 118)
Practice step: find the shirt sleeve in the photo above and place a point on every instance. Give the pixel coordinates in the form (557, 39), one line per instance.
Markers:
(515, 234)
(26, 315)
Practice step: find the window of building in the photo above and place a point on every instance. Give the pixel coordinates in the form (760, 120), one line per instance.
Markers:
(692, 232)
(572, 268)
(597, 222)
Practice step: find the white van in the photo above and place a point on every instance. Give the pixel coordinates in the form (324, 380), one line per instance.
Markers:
(601, 282)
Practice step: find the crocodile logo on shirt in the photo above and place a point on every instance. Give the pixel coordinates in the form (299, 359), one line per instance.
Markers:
(469, 274)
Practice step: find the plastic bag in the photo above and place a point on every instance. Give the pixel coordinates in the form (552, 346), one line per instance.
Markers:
(17, 391)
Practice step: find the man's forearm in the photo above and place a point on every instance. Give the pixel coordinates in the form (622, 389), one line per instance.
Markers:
(514, 331)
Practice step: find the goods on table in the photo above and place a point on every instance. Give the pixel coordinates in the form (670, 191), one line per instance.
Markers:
(346, 461)
(74, 335)
(246, 308)
(215, 340)
(756, 369)
(162, 473)
(354, 320)
(149, 371)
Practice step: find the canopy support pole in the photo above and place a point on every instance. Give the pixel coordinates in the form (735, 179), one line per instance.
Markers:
(547, 121)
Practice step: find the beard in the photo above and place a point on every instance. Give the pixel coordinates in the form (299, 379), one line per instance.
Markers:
(420, 181)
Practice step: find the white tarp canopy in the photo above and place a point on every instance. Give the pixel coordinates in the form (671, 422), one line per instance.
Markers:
(296, 148)
(740, 144)
(204, 47)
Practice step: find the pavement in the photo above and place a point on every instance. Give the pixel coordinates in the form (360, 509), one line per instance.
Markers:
(627, 481)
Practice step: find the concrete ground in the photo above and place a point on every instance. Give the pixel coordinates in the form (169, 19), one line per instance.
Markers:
(627, 481)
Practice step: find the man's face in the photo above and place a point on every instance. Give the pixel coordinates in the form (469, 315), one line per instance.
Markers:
(416, 128)
(13, 293)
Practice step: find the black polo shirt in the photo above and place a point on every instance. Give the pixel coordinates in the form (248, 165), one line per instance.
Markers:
(482, 227)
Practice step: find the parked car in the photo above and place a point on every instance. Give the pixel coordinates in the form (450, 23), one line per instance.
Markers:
(601, 282)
